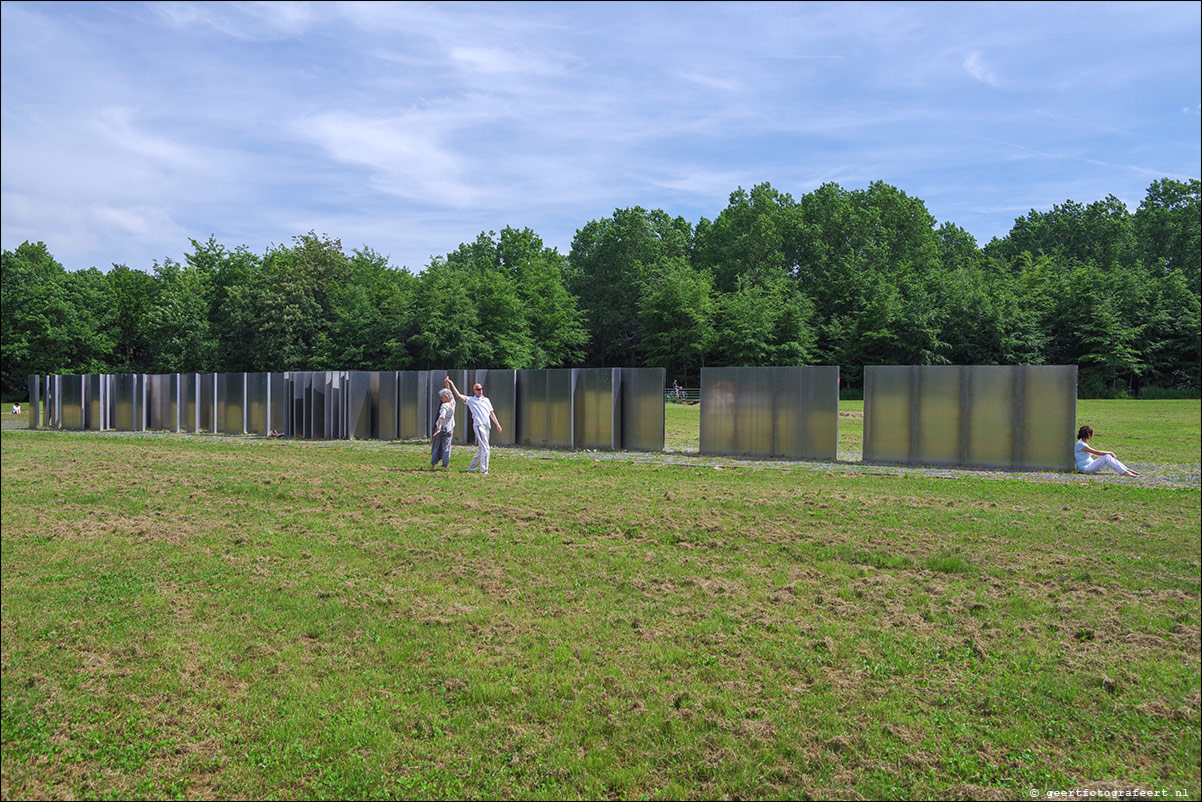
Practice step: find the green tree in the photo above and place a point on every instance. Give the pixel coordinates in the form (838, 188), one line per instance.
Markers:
(676, 320)
(1168, 228)
(611, 262)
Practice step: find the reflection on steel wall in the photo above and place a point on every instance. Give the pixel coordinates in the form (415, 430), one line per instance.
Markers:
(985, 416)
(387, 411)
(597, 408)
(643, 409)
(278, 398)
(161, 404)
(95, 394)
(71, 394)
(35, 401)
(359, 406)
(256, 403)
(127, 400)
(299, 386)
(413, 404)
(335, 407)
(545, 407)
(231, 399)
(501, 388)
(788, 412)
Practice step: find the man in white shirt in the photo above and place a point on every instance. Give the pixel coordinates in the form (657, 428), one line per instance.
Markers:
(483, 419)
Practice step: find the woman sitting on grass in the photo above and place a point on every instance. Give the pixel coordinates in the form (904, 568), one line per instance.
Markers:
(1105, 459)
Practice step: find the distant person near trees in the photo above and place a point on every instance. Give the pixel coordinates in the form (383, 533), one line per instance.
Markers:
(483, 419)
(1104, 459)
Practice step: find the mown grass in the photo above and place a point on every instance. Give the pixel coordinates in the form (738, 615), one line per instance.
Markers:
(210, 618)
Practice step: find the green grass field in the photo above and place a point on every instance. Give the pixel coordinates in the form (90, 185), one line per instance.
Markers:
(205, 617)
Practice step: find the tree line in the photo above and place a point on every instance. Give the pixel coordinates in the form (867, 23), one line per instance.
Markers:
(837, 276)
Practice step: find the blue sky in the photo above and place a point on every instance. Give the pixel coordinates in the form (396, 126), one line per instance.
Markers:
(128, 128)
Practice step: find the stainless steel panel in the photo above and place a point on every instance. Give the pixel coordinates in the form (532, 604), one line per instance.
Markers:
(718, 410)
(388, 409)
(597, 399)
(316, 406)
(938, 438)
(161, 402)
(643, 409)
(532, 408)
(982, 416)
(279, 403)
(208, 402)
(256, 403)
(1049, 417)
(817, 420)
(127, 397)
(34, 383)
(560, 408)
(414, 418)
(501, 387)
(300, 386)
(888, 412)
(992, 416)
(94, 392)
(359, 406)
(790, 412)
(334, 411)
(71, 394)
(231, 397)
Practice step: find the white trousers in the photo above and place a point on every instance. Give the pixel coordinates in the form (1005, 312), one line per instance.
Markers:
(480, 458)
(1104, 462)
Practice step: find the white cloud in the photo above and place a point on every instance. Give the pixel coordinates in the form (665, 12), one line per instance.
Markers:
(975, 65)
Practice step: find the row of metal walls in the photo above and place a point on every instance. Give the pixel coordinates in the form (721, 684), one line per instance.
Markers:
(591, 408)
(1011, 417)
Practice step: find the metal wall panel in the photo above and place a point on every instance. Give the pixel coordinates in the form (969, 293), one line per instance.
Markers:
(388, 419)
(126, 399)
(531, 416)
(413, 402)
(1049, 414)
(161, 401)
(190, 402)
(561, 383)
(71, 395)
(888, 412)
(93, 419)
(34, 382)
(501, 388)
(983, 416)
(790, 412)
(279, 403)
(256, 403)
(359, 406)
(597, 412)
(643, 409)
(231, 399)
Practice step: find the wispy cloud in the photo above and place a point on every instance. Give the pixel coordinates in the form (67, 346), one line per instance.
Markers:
(974, 65)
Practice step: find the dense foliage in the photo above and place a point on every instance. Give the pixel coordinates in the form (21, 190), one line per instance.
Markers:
(843, 277)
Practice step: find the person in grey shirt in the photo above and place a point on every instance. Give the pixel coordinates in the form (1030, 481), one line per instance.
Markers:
(440, 441)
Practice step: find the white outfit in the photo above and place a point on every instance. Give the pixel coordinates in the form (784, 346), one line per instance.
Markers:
(482, 423)
(1087, 464)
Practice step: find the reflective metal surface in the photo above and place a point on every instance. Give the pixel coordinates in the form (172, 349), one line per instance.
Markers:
(545, 407)
(127, 398)
(387, 410)
(278, 404)
(161, 403)
(359, 407)
(414, 417)
(643, 409)
(597, 410)
(94, 392)
(983, 416)
(256, 403)
(71, 395)
(231, 399)
(790, 412)
(34, 382)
